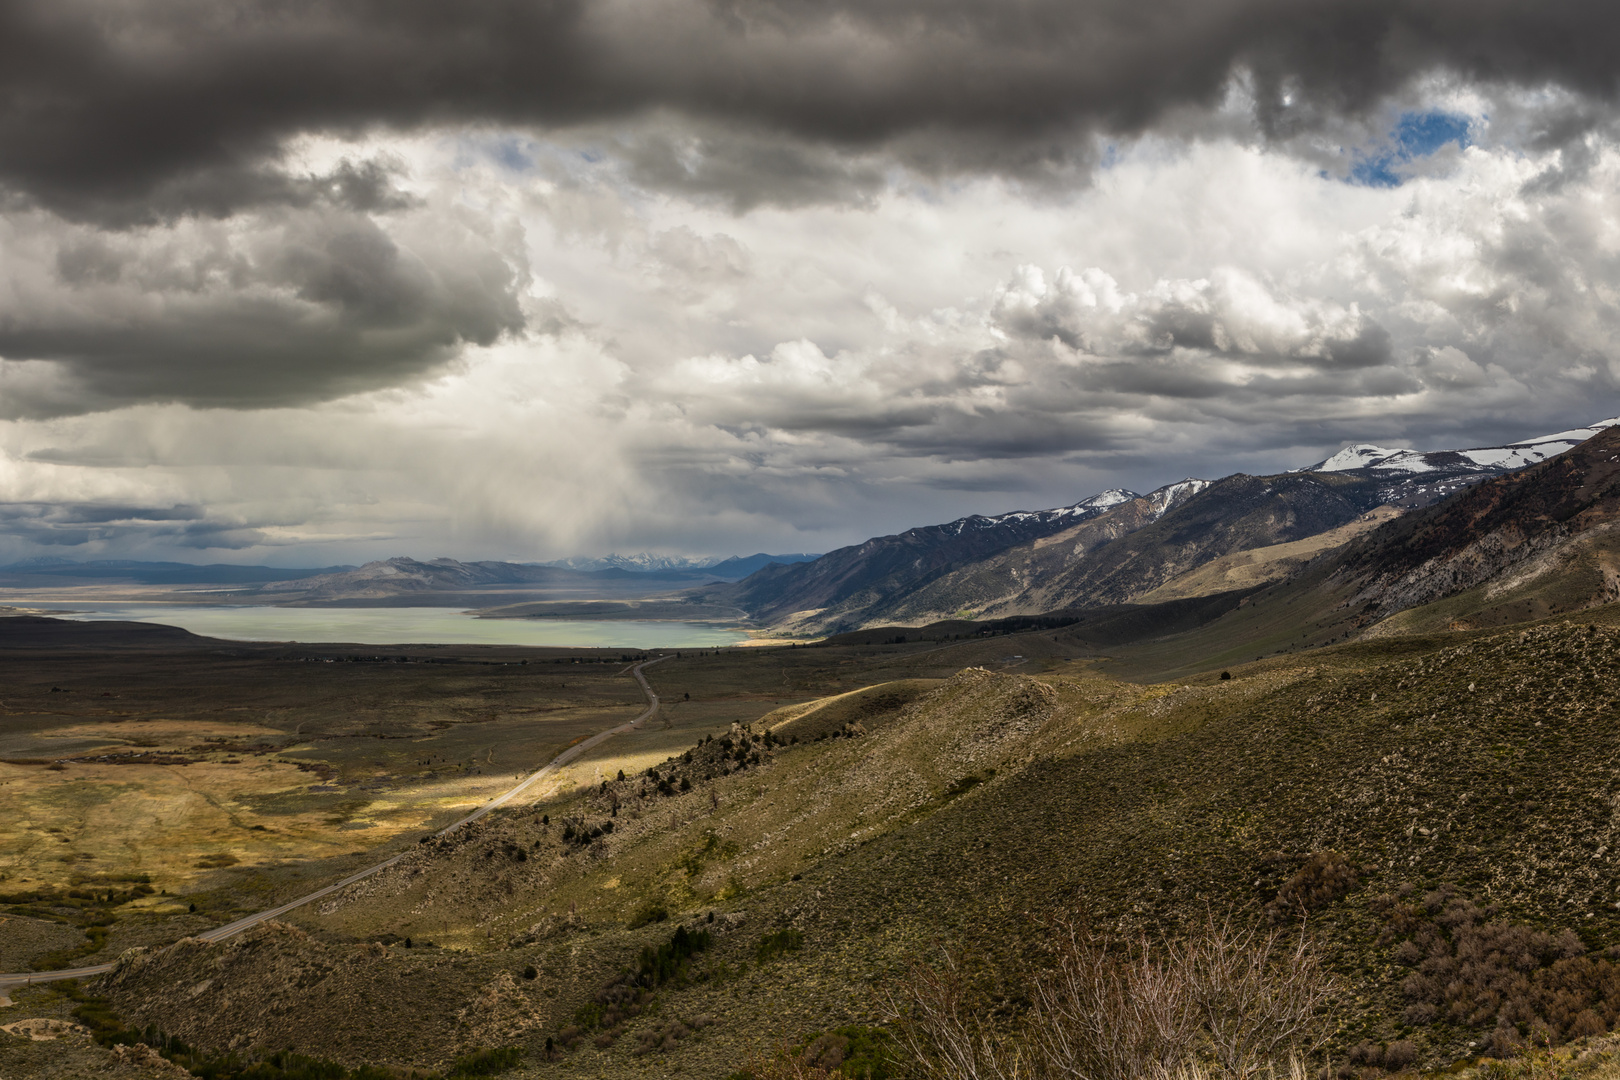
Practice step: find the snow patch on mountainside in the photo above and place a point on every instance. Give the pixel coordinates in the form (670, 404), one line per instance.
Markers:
(1170, 496)
(1085, 508)
(1483, 459)
(1358, 456)
(1163, 500)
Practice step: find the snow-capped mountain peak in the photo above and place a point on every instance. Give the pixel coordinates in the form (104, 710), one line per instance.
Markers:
(1163, 500)
(1170, 496)
(1358, 456)
(1104, 499)
(1089, 507)
(1484, 459)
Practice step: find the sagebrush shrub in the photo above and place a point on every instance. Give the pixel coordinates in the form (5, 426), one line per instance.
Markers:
(1474, 969)
(1325, 877)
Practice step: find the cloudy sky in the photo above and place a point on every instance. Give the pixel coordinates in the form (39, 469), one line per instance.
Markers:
(307, 281)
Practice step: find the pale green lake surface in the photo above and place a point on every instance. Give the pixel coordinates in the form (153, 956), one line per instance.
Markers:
(406, 626)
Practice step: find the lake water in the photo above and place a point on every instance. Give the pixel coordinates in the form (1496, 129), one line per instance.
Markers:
(407, 626)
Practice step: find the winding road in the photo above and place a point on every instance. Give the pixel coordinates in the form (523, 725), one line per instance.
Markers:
(231, 929)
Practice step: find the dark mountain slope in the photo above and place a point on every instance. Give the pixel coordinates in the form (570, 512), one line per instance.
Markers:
(39, 632)
(1542, 541)
(740, 566)
(43, 573)
(1113, 558)
(850, 579)
(975, 584)
(1484, 532)
(1238, 513)
(449, 581)
(981, 567)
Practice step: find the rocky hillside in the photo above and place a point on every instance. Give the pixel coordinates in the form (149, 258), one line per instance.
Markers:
(914, 576)
(1239, 513)
(1511, 549)
(1121, 556)
(1484, 535)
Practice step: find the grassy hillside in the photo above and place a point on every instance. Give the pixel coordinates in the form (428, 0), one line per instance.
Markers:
(1374, 790)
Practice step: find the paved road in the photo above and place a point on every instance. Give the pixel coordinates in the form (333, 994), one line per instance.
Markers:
(231, 929)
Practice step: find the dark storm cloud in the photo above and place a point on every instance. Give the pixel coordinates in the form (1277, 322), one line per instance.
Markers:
(303, 307)
(59, 525)
(168, 104)
(746, 168)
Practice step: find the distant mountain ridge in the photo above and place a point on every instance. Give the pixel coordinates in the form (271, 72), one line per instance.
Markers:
(734, 566)
(1113, 548)
(49, 570)
(400, 576)
(1517, 547)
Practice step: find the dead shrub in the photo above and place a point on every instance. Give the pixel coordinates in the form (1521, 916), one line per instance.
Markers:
(1240, 998)
(661, 1039)
(1259, 997)
(1419, 1013)
(1103, 1014)
(1408, 953)
(941, 1034)
(1586, 1024)
(1366, 1054)
(784, 1066)
(825, 1051)
(853, 1052)
(1392, 1056)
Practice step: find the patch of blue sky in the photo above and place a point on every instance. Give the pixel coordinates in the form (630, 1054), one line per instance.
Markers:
(1415, 135)
(513, 153)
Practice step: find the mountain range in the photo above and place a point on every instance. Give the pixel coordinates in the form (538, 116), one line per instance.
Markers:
(1425, 814)
(397, 580)
(1188, 539)
(643, 562)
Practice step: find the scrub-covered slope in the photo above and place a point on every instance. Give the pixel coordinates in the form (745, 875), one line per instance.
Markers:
(1375, 790)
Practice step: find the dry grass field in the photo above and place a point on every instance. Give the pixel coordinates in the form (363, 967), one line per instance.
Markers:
(227, 777)
(179, 764)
